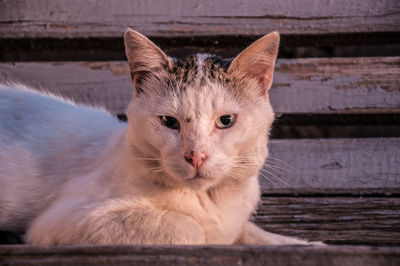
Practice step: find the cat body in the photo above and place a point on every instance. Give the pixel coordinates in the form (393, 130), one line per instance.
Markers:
(183, 170)
(45, 142)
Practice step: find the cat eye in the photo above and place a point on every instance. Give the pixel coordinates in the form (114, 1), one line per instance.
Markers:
(225, 121)
(170, 122)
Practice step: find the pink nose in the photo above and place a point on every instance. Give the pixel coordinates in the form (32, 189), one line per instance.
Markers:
(196, 158)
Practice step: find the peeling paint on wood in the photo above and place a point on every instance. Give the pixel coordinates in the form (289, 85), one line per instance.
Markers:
(93, 83)
(66, 19)
(336, 85)
(323, 85)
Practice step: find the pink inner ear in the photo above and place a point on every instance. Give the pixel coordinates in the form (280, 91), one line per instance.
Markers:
(263, 73)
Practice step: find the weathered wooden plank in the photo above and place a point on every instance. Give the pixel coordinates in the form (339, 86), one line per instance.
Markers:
(332, 164)
(199, 255)
(336, 220)
(94, 83)
(62, 18)
(337, 85)
(319, 85)
(331, 192)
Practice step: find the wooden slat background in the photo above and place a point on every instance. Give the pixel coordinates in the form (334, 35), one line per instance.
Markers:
(343, 191)
(67, 18)
(199, 255)
(335, 220)
(314, 85)
(332, 165)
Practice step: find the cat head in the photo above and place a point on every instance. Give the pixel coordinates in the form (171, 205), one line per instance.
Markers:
(201, 122)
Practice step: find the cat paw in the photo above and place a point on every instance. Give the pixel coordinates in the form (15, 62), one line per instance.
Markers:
(296, 241)
(316, 243)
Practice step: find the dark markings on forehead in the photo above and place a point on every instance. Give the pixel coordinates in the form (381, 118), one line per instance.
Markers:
(223, 63)
(185, 74)
(215, 69)
(185, 71)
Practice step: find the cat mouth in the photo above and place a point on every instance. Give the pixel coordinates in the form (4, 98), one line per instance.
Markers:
(199, 181)
(197, 175)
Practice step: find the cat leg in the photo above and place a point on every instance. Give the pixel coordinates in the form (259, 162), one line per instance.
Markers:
(114, 222)
(252, 234)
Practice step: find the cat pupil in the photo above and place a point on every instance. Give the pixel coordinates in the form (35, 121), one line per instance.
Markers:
(170, 122)
(225, 121)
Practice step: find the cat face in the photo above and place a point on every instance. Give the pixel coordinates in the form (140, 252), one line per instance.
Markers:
(199, 123)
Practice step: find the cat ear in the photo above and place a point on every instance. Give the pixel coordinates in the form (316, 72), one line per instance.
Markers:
(258, 60)
(144, 58)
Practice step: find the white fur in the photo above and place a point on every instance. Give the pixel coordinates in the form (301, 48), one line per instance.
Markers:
(71, 174)
(44, 143)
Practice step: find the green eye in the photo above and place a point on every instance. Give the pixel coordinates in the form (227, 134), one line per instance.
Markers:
(170, 122)
(225, 121)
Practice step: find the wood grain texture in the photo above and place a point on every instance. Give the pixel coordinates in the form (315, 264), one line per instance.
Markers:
(332, 164)
(199, 255)
(335, 220)
(104, 84)
(62, 18)
(337, 85)
(319, 86)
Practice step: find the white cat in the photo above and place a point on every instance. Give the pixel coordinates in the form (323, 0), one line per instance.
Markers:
(183, 170)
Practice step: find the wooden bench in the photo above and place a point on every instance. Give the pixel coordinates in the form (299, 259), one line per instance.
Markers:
(334, 170)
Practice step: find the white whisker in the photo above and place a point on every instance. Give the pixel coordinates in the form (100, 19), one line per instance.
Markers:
(277, 160)
(269, 179)
(275, 176)
(278, 171)
(273, 165)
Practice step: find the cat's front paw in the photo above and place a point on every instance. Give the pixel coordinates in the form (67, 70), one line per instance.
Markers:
(316, 243)
(253, 234)
(296, 241)
(283, 240)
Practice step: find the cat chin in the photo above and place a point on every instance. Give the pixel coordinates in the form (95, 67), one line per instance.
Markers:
(199, 182)
(188, 176)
